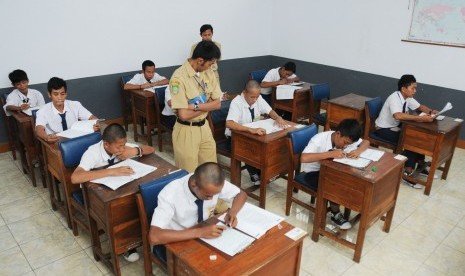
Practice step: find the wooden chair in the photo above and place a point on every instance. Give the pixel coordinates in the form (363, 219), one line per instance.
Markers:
(125, 101)
(297, 106)
(71, 153)
(217, 121)
(318, 93)
(9, 126)
(297, 140)
(146, 204)
(372, 109)
(257, 75)
(163, 123)
(38, 148)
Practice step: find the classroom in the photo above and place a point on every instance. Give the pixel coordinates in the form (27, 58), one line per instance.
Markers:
(354, 46)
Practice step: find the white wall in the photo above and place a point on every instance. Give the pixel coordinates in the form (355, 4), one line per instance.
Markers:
(362, 35)
(74, 39)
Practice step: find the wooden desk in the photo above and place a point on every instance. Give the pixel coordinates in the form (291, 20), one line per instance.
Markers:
(436, 139)
(143, 112)
(371, 194)
(348, 106)
(116, 213)
(272, 254)
(299, 106)
(267, 153)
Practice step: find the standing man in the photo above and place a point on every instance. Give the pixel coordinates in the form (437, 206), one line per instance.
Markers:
(194, 92)
(206, 33)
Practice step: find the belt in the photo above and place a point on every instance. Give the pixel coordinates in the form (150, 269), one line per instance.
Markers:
(187, 123)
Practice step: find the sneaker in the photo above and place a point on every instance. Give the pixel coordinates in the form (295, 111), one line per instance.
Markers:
(255, 178)
(425, 173)
(340, 221)
(131, 256)
(410, 183)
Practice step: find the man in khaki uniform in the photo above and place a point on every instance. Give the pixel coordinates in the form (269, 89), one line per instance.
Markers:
(206, 33)
(194, 92)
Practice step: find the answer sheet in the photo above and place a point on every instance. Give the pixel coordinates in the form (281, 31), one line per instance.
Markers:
(231, 241)
(268, 124)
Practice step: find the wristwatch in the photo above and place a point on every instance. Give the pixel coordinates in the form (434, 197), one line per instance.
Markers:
(196, 106)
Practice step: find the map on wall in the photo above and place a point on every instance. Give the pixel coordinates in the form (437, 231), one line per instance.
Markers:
(438, 22)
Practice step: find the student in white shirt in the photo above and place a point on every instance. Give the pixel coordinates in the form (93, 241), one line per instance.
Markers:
(188, 201)
(110, 150)
(168, 116)
(60, 114)
(147, 78)
(247, 108)
(396, 108)
(345, 141)
(281, 75)
(22, 97)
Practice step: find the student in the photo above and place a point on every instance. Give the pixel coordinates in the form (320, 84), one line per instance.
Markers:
(194, 92)
(147, 78)
(60, 114)
(206, 33)
(245, 109)
(345, 141)
(22, 97)
(396, 108)
(167, 114)
(281, 75)
(187, 201)
(111, 149)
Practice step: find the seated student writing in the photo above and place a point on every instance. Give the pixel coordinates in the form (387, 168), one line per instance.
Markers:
(184, 203)
(112, 149)
(60, 114)
(277, 76)
(147, 78)
(396, 108)
(247, 108)
(345, 141)
(22, 97)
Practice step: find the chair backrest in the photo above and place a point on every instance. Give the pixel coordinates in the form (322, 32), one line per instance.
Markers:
(372, 109)
(125, 79)
(73, 149)
(320, 91)
(160, 97)
(149, 191)
(257, 75)
(217, 120)
(300, 137)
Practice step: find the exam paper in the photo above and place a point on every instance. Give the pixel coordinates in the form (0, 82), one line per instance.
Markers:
(152, 89)
(29, 110)
(114, 182)
(268, 125)
(372, 154)
(286, 92)
(231, 241)
(359, 163)
(447, 107)
(78, 129)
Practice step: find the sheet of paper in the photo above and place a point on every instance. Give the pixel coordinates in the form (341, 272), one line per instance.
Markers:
(72, 133)
(267, 124)
(372, 154)
(114, 182)
(359, 163)
(286, 92)
(29, 110)
(152, 89)
(231, 241)
(447, 107)
(297, 83)
(400, 157)
(78, 129)
(295, 233)
(254, 220)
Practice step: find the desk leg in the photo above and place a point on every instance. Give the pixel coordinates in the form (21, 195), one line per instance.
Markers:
(236, 172)
(320, 217)
(362, 229)
(388, 220)
(446, 168)
(264, 179)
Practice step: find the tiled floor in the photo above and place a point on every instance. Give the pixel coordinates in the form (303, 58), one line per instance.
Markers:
(427, 236)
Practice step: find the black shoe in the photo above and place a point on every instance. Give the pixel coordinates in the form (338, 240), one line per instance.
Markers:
(340, 221)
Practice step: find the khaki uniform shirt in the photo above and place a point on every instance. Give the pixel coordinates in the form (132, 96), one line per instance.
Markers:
(186, 85)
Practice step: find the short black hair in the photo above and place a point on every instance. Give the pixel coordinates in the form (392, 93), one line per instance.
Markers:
(147, 63)
(205, 27)
(206, 50)
(405, 81)
(113, 132)
(17, 75)
(56, 83)
(290, 66)
(209, 173)
(350, 128)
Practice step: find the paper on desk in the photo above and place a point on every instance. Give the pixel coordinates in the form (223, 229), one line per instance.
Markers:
(358, 163)
(78, 129)
(268, 125)
(114, 182)
(297, 83)
(295, 234)
(152, 89)
(372, 154)
(231, 241)
(29, 110)
(447, 107)
(286, 92)
(254, 220)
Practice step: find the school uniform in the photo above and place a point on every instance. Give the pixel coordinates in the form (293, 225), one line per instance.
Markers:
(49, 117)
(272, 76)
(139, 79)
(16, 98)
(168, 117)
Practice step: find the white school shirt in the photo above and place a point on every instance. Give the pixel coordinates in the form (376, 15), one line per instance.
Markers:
(239, 111)
(48, 116)
(15, 98)
(167, 111)
(321, 142)
(176, 208)
(139, 79)
(95, 157)
(394, 104)
(271, 76)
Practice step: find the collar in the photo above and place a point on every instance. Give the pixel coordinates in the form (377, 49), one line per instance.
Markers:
(104, 154)
(55, 111)
(245, 104)
(401, 97)
(189, 69)
(187, 191)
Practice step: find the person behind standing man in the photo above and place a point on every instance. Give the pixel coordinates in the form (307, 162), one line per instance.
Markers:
(147, 78)
(60, 114)
(194, 92)
(206, 33)
(396, 108)
(22, 97)
(277, 76)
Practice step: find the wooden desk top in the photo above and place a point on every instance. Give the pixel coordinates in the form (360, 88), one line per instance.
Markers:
(106, 194)
(143, 93)
(386, 164)
(21, 117)
(351, 100)
(267, 137)
(196, 253)
(443, 126)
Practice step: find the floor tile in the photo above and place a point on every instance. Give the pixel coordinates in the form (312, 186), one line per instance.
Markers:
(456, 239)
(6, 239)
(447, 260)
(74, 265)
(23, 208)
(13, 262)
(35, 227)
(15, 191)
(386, 260)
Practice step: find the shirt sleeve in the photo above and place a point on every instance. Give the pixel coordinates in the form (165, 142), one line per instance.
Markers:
(41, 118)
(395, 106)
(229, 192)
(269, 77)
(265, 108)
(164, 212)
(136, 80)
(413, 104)
(234, 113)
(83, 113)
(11, 100)
(178, 93)
(312, 147)
(40, 99)
(216, 89)
(87, 160)
(157, 78)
